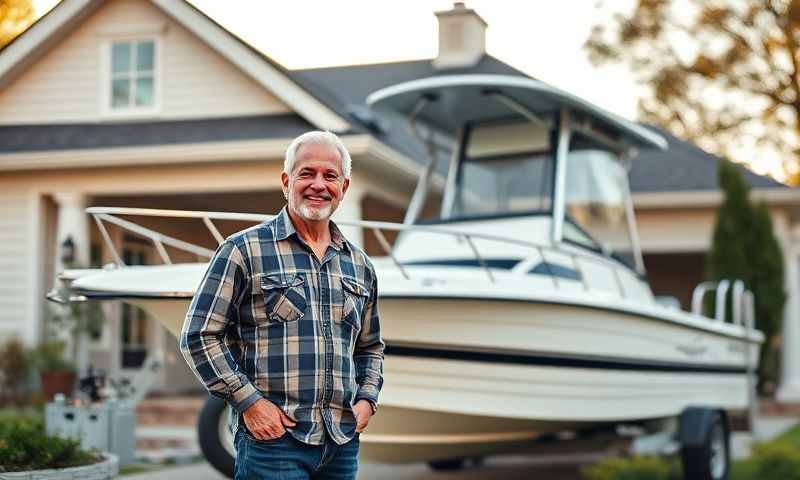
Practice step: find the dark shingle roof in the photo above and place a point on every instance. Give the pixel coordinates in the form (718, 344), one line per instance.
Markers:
(342, 88)
(350, 85)
(22, 138)
(683, 167)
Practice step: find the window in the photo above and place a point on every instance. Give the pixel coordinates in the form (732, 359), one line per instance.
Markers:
(595, 200)
(507, 169)
(133, 79)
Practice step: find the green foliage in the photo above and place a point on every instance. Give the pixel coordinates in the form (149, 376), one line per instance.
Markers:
(791, 437)
(635, 468)
(774, 460)
(49, 357)
(778, 459)
(25, 446)
(744, 247)
(729, 255)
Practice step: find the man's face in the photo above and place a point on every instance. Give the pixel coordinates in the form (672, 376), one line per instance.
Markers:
(316, 184)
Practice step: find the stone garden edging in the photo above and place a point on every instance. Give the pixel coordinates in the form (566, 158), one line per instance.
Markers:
(108, 468)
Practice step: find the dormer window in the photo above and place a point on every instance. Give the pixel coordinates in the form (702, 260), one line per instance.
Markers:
(133, 76)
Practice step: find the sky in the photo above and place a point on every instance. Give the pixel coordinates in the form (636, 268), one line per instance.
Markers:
(540, 37)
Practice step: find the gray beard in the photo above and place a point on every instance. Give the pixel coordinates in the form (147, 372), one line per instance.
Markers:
(315, 214)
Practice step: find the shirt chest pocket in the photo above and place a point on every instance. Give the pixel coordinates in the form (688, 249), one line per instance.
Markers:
(284, 296)
(355, 299)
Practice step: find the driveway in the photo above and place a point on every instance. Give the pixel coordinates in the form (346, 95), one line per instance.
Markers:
(505, 467)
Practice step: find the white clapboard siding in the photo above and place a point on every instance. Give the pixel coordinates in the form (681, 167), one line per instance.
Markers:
(17, 264)
(65, 85)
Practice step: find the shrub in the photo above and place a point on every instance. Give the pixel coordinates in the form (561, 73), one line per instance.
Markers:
(635, 468)
(771, 461)
(24, 445)
(49, 357)
(14, 373)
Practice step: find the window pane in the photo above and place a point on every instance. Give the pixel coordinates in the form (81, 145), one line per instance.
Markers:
(502, 185)
(120, 92)
(507, 169)
(145, 52)
(596, 192)
(120, 57)
(144, 91)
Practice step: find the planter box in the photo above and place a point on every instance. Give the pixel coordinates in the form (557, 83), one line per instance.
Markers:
(108, 426)
(108, 468)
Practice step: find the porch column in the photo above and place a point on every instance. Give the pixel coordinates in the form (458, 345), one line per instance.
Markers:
(789, 390)
(73, 224)
(350, 209)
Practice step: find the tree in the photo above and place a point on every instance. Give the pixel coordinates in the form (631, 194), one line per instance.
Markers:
(15, 16)
(744, 247)
(721, 73)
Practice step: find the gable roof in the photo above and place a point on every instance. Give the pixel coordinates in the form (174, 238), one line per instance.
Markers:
(328, 98)
(65, 16)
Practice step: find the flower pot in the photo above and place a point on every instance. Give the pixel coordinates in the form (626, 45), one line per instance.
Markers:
(57, 382)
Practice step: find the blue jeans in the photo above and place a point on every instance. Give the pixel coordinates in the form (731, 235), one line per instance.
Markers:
(286, 458)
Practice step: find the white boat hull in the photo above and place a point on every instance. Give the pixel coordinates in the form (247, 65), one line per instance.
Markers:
(480, 377)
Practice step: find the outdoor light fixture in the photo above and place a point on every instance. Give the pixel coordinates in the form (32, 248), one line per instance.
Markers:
(67, 250)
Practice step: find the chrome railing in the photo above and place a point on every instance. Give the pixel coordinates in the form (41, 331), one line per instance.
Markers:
(742, 304)
(111, 215)
(743, 314)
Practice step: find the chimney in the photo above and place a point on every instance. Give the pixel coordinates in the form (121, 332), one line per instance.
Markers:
(462, 38)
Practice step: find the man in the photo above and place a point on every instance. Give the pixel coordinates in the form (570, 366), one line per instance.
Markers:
(284, 325)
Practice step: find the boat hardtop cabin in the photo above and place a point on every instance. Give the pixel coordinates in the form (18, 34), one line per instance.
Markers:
(527, 161)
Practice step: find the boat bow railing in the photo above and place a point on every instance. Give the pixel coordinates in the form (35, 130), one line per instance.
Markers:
(111, 215)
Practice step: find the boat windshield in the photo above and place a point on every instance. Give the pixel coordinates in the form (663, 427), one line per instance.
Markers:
(506, 168)
(595, 201)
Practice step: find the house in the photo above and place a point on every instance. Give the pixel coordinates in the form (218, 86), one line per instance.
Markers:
(150, 103)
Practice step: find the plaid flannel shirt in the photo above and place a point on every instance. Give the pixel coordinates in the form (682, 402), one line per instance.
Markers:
(269, 320)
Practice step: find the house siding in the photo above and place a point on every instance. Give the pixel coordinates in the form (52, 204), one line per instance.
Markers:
(66, 85)
(18, 216)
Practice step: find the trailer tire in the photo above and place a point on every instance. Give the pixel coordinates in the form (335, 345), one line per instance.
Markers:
(215, 441)
(709, 457)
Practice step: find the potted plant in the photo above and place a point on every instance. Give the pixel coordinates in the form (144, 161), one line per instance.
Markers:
(57, 374)
(64, 355)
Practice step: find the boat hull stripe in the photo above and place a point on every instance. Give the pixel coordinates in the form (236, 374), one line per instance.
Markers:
(549, 360)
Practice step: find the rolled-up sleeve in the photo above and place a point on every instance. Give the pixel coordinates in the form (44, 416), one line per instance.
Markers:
(368, 353)
(213, 310)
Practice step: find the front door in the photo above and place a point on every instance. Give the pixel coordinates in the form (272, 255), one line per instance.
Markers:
(135, 324)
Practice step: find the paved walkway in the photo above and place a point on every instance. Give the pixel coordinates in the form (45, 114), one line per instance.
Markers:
(506, 467)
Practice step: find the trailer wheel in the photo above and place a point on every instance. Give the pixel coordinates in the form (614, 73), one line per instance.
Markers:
(708, 459)
(215, 440)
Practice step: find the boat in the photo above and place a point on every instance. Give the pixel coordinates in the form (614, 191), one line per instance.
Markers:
(522, 308)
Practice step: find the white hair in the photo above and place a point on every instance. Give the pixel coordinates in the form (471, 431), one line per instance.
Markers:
(317, 137)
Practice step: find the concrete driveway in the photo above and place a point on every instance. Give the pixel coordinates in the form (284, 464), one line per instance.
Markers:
(505, 467)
